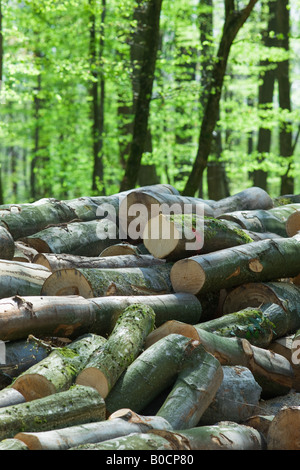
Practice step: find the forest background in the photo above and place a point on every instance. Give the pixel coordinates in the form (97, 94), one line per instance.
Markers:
(98, 96)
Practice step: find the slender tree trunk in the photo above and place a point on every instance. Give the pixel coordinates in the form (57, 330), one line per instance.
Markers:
(97, 95)
(146, 78)
(284, 88)
(266, 91)
(35, 160)
(234, 20)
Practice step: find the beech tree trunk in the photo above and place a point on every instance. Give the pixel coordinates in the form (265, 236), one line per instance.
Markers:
(77, 238)
(10, 396)
(237, 265)
(72, 316)
(122, 423)
(236, 399)
(222, 436)
(273, 220)
(151, 373)
(21, 278)
(283, 433)
(54, 261)
(75, 406)
(179, 236)
(125, 343)
(58, 371)
(104, 282)
(272, 371)
(194, 390)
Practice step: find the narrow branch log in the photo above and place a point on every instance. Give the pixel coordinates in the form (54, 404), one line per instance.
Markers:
(77, 238)
(72, 316)
(21, 278)
(75, 406)
(234, 266)
(55, 261)
(104, 282)
(125, 343)
(58, 371)
(180, 236)
(123, 423)
(151, 373)
(194, 390)
(236, 399)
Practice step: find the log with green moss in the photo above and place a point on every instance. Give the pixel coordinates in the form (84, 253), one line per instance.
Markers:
(125, 343)
(123, 422)
(76, 238)
(273, 220)
(58, 371)
(78, 405)
(18, 278)
(266, 260)
(153, 371)
(25, 220)
(178, 236)
(221, 436)
(272, 371)
(194, 390)
(55, 261)
(105, 282)
(72, 316)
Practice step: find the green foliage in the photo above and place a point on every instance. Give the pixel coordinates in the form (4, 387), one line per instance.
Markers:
(46, 120)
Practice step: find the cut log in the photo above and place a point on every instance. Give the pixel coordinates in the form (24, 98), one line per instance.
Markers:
(77, 238)
(236, 399)
(138, 207)
(75, 406)
(7, 244)
(24, 253)
(285, 294)
(12, 444)
(178, 236)
(222, 436)
(293, 223)
(55, 261)
(194, 390)
(72, 316)
(284, 430)
(273, 220)
(271, 371)
(261, 423)
(9, 396)
(28, 219)
(58, 371)
(288, 346)
(152, 372)
(124, 248)
(17, 278)
(238, 265)
(248, 199)
(125, 343)
(104, 282)
(123, 423)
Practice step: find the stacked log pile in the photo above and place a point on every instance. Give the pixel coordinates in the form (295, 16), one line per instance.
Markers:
(173, 327)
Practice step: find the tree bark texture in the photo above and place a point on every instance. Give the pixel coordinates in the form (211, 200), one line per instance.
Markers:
(151, 373)
(17, 278)
(125, 343)
(75, 406)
